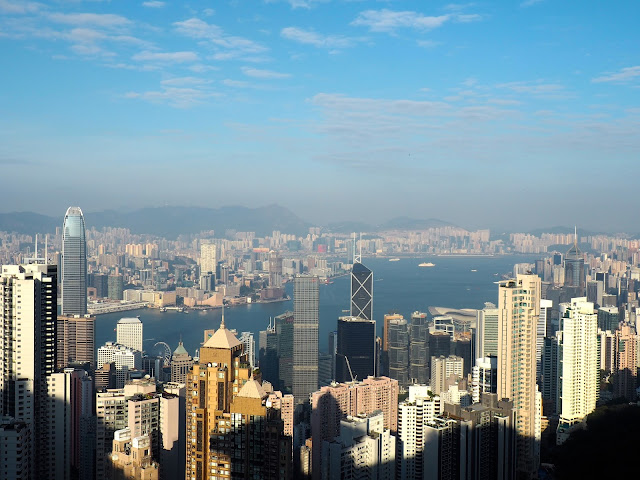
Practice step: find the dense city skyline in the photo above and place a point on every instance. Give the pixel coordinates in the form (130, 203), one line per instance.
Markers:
(452, 109)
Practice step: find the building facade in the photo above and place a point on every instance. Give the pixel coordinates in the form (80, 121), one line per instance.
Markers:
(74, 263)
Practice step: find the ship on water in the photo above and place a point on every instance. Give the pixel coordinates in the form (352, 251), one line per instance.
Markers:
(427, 264)
(394, 259)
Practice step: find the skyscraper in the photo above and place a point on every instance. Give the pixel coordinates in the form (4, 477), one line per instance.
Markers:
(519, 310)
(74, 263)
(574, 268)
(487, 331)
(129, 333)
(361, 291)
(356, 349)
(76, 340)
(419, 348)
(28, 304)
(398, 351)
(543, 320)
(208, 260)
(306, 296)
(579, 375)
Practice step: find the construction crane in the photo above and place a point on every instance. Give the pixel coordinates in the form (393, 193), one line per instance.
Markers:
(353, 379)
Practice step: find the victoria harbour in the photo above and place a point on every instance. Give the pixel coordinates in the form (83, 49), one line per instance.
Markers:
(401, 286)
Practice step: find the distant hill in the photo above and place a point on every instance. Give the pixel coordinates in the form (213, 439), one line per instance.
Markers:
(170, 222)
(398, 223)
(563, 230)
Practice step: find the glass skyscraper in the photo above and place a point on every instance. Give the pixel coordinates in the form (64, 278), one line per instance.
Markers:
(74, 263)
(306, 295)
(361, 292)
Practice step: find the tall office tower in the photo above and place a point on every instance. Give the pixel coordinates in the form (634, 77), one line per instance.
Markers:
(608, 318)
(519, 305)
(181, 363)
(355, 356)
(541, 331)
(361, 291)
(284, 331)
(130, 457)
(626, 362)
(208, 259)
(484, 377)
(228, 420)
(364, 445)
(419, 348)
(268, 355)
(462, 348)
(486, 438)
(74, 263)
(275, 270)
(129, 333)
(579, 376)
(574, 275)
(385, 333)
(418, 410)
(398, 351)
(115, 287)
(487, 331)
(439, 345)
(445, 371)
(246, 339)
(595, 290)
(335, 402)
(306, 296)
(28, 302)
(76, 340)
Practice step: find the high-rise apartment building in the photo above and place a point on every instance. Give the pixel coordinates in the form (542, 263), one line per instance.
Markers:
(626, 362)
(361, 291)
(76, 340)
(131, 458)
(419, 348)
(445, 371)
(579, 371)
(129, 333)
(74, 263)
(356, 349)
(28, 304)
(541, 332)
(335, 402)
(363, 446)
(208, 258)
(519, 305)
(414, 414)
(484, 377)
(306, 296)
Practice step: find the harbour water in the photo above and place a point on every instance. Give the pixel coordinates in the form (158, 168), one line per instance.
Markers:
(401, 286)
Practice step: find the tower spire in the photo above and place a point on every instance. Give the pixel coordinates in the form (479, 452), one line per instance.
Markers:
(575, 235)
(222, 322)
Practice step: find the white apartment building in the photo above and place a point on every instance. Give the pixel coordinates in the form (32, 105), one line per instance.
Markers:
(129, 333)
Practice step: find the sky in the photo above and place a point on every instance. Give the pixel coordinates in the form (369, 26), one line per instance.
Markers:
(500, 114)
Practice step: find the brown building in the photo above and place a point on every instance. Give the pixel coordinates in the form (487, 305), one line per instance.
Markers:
(76, 340)
(130, 458)
(626, 377)
(231, 429)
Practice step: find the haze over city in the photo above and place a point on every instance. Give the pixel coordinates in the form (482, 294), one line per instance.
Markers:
(501, 115)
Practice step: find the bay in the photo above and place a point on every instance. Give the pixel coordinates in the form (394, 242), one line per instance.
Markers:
(402, 286)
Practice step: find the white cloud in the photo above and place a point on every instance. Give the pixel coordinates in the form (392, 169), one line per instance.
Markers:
(236, 83)
(309, 37)
(182, 81)
(10, 7)
(174, 96)
(234, 45)
(535, 88)
(428, 43)
(165, 57)
(105, 20)
(388, 20)
(625, 75)
(153, 4)
(267, 74)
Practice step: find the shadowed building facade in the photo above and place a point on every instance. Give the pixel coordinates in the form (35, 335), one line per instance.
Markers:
(357, 344)
(361, 291)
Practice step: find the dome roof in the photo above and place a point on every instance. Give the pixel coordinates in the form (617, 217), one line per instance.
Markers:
(180, 350)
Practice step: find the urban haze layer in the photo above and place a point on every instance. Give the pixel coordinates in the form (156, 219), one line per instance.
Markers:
(451, 393)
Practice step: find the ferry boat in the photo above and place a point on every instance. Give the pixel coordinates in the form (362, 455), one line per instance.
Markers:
(394, 259)
(427, 264)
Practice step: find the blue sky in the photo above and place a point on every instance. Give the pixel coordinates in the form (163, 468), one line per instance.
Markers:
(499, 114)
